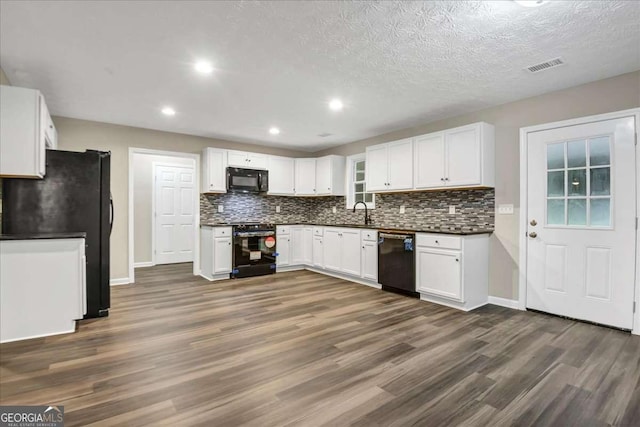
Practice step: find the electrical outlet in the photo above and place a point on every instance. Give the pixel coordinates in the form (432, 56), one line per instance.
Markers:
(220, 208)
(277, 209)
(505, 209)
(402, 209)
(334, 210)
(452, 210)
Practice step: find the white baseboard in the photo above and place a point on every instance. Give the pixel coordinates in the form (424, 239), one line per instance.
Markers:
(143, 264)
(504, 302)
(120, 281)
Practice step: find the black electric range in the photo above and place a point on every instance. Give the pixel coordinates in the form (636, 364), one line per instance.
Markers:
(254, 249)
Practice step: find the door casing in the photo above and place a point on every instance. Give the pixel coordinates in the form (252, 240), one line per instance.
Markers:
(522, 280)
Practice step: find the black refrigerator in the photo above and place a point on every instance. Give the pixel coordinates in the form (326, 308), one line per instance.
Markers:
(74, 196)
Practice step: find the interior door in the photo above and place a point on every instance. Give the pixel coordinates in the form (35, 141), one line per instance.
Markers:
(581, 200)
(173, 211)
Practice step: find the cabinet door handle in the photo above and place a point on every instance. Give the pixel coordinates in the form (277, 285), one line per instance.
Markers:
(442, 179)
(437, 242)
(363, 247)
(446, 179)
(457, 260)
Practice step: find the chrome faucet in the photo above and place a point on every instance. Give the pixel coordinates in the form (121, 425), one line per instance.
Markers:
(367, 218)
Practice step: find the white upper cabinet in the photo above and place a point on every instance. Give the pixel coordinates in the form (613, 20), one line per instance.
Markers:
(330, 174)
(242, 159)
(214, 170)
(26, 131)
(305, 177)
(281, 175)
(459, 157)
(390, 166)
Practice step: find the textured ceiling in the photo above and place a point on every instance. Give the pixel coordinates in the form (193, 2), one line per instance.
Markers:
(395, 64)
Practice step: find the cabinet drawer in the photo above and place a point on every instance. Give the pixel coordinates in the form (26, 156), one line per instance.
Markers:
(318, 231)
(221, 231)
(438, 241)
(282, 229)
(369, 235)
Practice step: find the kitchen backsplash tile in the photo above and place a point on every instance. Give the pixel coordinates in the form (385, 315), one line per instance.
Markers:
(475, 209)
(253, 208)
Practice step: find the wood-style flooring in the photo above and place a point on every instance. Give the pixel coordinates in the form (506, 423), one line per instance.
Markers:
(301, 348)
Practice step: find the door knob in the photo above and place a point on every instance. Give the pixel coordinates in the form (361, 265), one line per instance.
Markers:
(533, 234)
(533, 223)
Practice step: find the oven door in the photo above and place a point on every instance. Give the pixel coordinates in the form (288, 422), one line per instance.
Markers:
(244, 180)
(254, 253)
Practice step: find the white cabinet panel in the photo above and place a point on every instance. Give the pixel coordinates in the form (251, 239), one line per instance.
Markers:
(332, 249)
(297, 246)
(377, 168)
(214, 170)
(222, 254)
(459, 157)
(257, 161)
(281, 175)
(370, 260)
(243, 159)
(283, 247)
(390, 166)
(463, 156)
(307, 245)
(318, 252)
(305, 177)
(330, 175)
(26, 131)
(439, 273)
(429, 161)
(400, 157)
(351, 252)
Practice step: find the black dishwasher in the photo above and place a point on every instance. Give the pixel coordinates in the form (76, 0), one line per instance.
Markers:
(396, 263)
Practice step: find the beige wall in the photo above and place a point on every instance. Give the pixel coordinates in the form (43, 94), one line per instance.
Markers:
(79, 135)
(143, 199)
(613, 94)
(3, 78)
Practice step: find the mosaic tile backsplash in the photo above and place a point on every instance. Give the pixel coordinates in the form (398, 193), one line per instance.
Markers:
(475, 210)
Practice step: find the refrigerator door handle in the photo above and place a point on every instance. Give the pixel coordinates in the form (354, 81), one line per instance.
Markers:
(111, 214)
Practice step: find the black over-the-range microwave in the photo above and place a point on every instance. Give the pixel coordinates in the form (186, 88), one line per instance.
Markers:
(240, 180)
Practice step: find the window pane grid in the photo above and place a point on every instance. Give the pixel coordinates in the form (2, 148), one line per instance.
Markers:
(581, 169)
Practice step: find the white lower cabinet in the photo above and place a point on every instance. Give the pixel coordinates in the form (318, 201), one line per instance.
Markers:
(370, 255)
(453, 270)
(307, 245)
(283, 246)
(216, 252)
(439, 273)
(342, 252)
(318, 252)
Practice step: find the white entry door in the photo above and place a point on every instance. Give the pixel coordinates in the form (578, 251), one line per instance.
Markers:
(581, 200)
(173, 211)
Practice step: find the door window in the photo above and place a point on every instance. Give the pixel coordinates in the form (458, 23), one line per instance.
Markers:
(579, 183)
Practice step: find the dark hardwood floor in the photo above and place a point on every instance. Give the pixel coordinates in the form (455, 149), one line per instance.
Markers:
(301, 348)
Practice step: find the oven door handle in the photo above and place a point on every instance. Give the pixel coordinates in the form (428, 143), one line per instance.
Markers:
(255, 233)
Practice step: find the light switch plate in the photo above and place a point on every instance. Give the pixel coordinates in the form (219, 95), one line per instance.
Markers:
(402, 209)
(277, 209)
(505, 209)
(220, 208)
(334, 210)
(452, 210)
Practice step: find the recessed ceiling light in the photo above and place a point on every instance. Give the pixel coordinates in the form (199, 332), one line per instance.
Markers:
(168, 111)
(204, 67)
(336, 105)
(274, 131)
(530, 3)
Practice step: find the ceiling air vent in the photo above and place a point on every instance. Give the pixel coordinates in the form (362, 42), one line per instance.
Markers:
(545, 65)
(324, 135)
